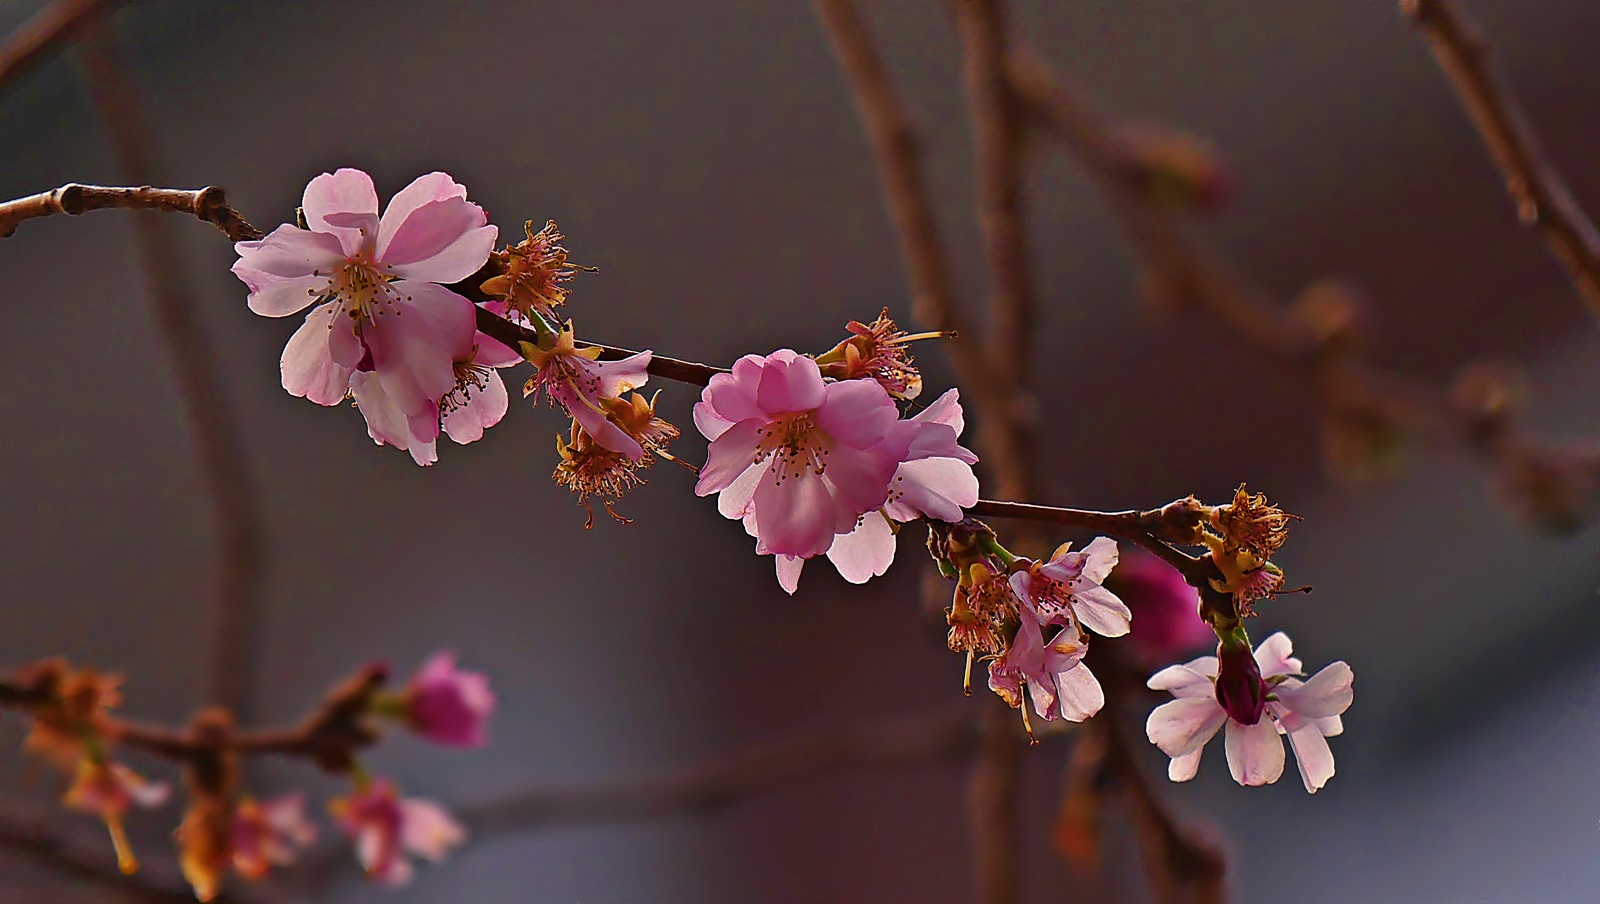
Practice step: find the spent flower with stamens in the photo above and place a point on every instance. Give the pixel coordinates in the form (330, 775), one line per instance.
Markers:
(76, 702)
(590, 469)
(534, 272)
(877, 351)
(575, 379)
(1251, 524)
(107, 789)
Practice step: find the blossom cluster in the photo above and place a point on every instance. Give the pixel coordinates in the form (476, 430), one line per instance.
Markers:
(226, 829)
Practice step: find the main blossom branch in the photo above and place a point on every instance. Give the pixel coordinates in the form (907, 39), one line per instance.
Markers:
(208, 204)
(1541, 195)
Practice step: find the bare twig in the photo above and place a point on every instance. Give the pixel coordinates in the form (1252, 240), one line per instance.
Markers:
(47, 31)
(224, 464)
(208, 204)
(1541, 196)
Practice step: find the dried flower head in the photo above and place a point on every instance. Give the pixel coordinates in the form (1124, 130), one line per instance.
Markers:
(1251, 524)
(74, 702)
(107, 789)
(877, 351)
(535, 269)
(205, 847)
(590, 469)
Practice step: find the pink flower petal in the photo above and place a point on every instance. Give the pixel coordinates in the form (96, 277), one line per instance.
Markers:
(1272, 655)
(789, 568)
(442, 241)
(1183, 681)
(422, 190)
(857, 413)
(416, 342)
(427, 830)
(865, 552)
(1183, 768)
(1255, 753)
(1101, 611)
(1327, 693)
(1312, 756)
(1100, 556)
(345, 191)
(808, 516)
(1079, 693)
(729, 456)
(1179, 726)
(307, 364)
(790, 383)
(483, 409)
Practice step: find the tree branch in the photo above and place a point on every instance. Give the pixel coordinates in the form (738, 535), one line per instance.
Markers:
(1541, 196)
(210, 205)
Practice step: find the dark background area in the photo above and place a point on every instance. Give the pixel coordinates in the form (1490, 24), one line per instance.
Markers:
(706, 157)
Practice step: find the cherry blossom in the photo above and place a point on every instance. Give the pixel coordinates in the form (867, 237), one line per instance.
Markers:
(387, 827)
(935, 481)
(477, 403)
(1257, 697)
(1058, 683)
(1067, 589)
(266, 833)
(375, 282)
(447, 705)
(803, 460)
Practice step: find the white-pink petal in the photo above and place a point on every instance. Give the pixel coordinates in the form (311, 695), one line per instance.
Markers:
(1183, 768)
(1312, 756)
(1184, 681)
(1255, 752)
(1327, 693)
(1179, 726)
(307, 365)
(1079, 694)
(1101, 611)
(1273, 656)
(344, 191)
(866, 552)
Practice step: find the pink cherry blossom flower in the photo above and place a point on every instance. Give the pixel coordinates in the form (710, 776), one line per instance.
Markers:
(108, 790)
(447, 705)
(376, 283)
(576, 380)
(477, 403)
(1067, 588)
(387, 827)
(266, 833)
(1308, 711)
(935, 481)
(1168, 623)
(802, 459)
(1059, 684)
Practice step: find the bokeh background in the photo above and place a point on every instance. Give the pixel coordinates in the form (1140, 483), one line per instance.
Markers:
(706, 157)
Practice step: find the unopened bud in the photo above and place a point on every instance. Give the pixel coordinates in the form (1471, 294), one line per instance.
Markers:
(1240, 689)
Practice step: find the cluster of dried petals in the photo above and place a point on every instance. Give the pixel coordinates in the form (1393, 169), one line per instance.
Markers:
(576, 380)
(389, 829)
(382, 325)
(533, 271)
(1259, 696)
(877, 351)
(1244, 536)
(590, 469)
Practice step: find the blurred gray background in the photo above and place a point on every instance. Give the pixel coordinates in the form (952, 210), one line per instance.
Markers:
(707, 158)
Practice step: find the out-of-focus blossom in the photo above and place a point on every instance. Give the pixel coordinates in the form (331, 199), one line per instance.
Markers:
(1067, 589)
(580, 383)
(877, 351)
(77, 701)
(447, 705)
(1058, 683)
(387, 828)
(934, 481)
(1167, 623)
(803, 460)
(205, 845)
(107, 790)
(1280, 703)
(535, 270)
(376, 282)
(267, 833)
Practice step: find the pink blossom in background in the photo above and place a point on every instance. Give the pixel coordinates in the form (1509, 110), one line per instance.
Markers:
(1067, 591)
(935, 480)
(803, 460)
(267, 833)
(1167, 622)
(1307, 711)
(447, 705)
(375, 281)
(576, 381)
(1058, 683)
(387, 827)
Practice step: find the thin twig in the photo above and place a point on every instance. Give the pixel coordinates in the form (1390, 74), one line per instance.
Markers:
(1541, 196)
(48, 30)
(208, 204)
(224, 463)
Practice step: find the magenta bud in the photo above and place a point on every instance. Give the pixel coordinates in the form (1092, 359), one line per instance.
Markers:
(1240, 689)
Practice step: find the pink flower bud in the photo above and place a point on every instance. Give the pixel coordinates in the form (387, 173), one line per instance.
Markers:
(449, 706)
(1240, 689)
(1166, 623)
